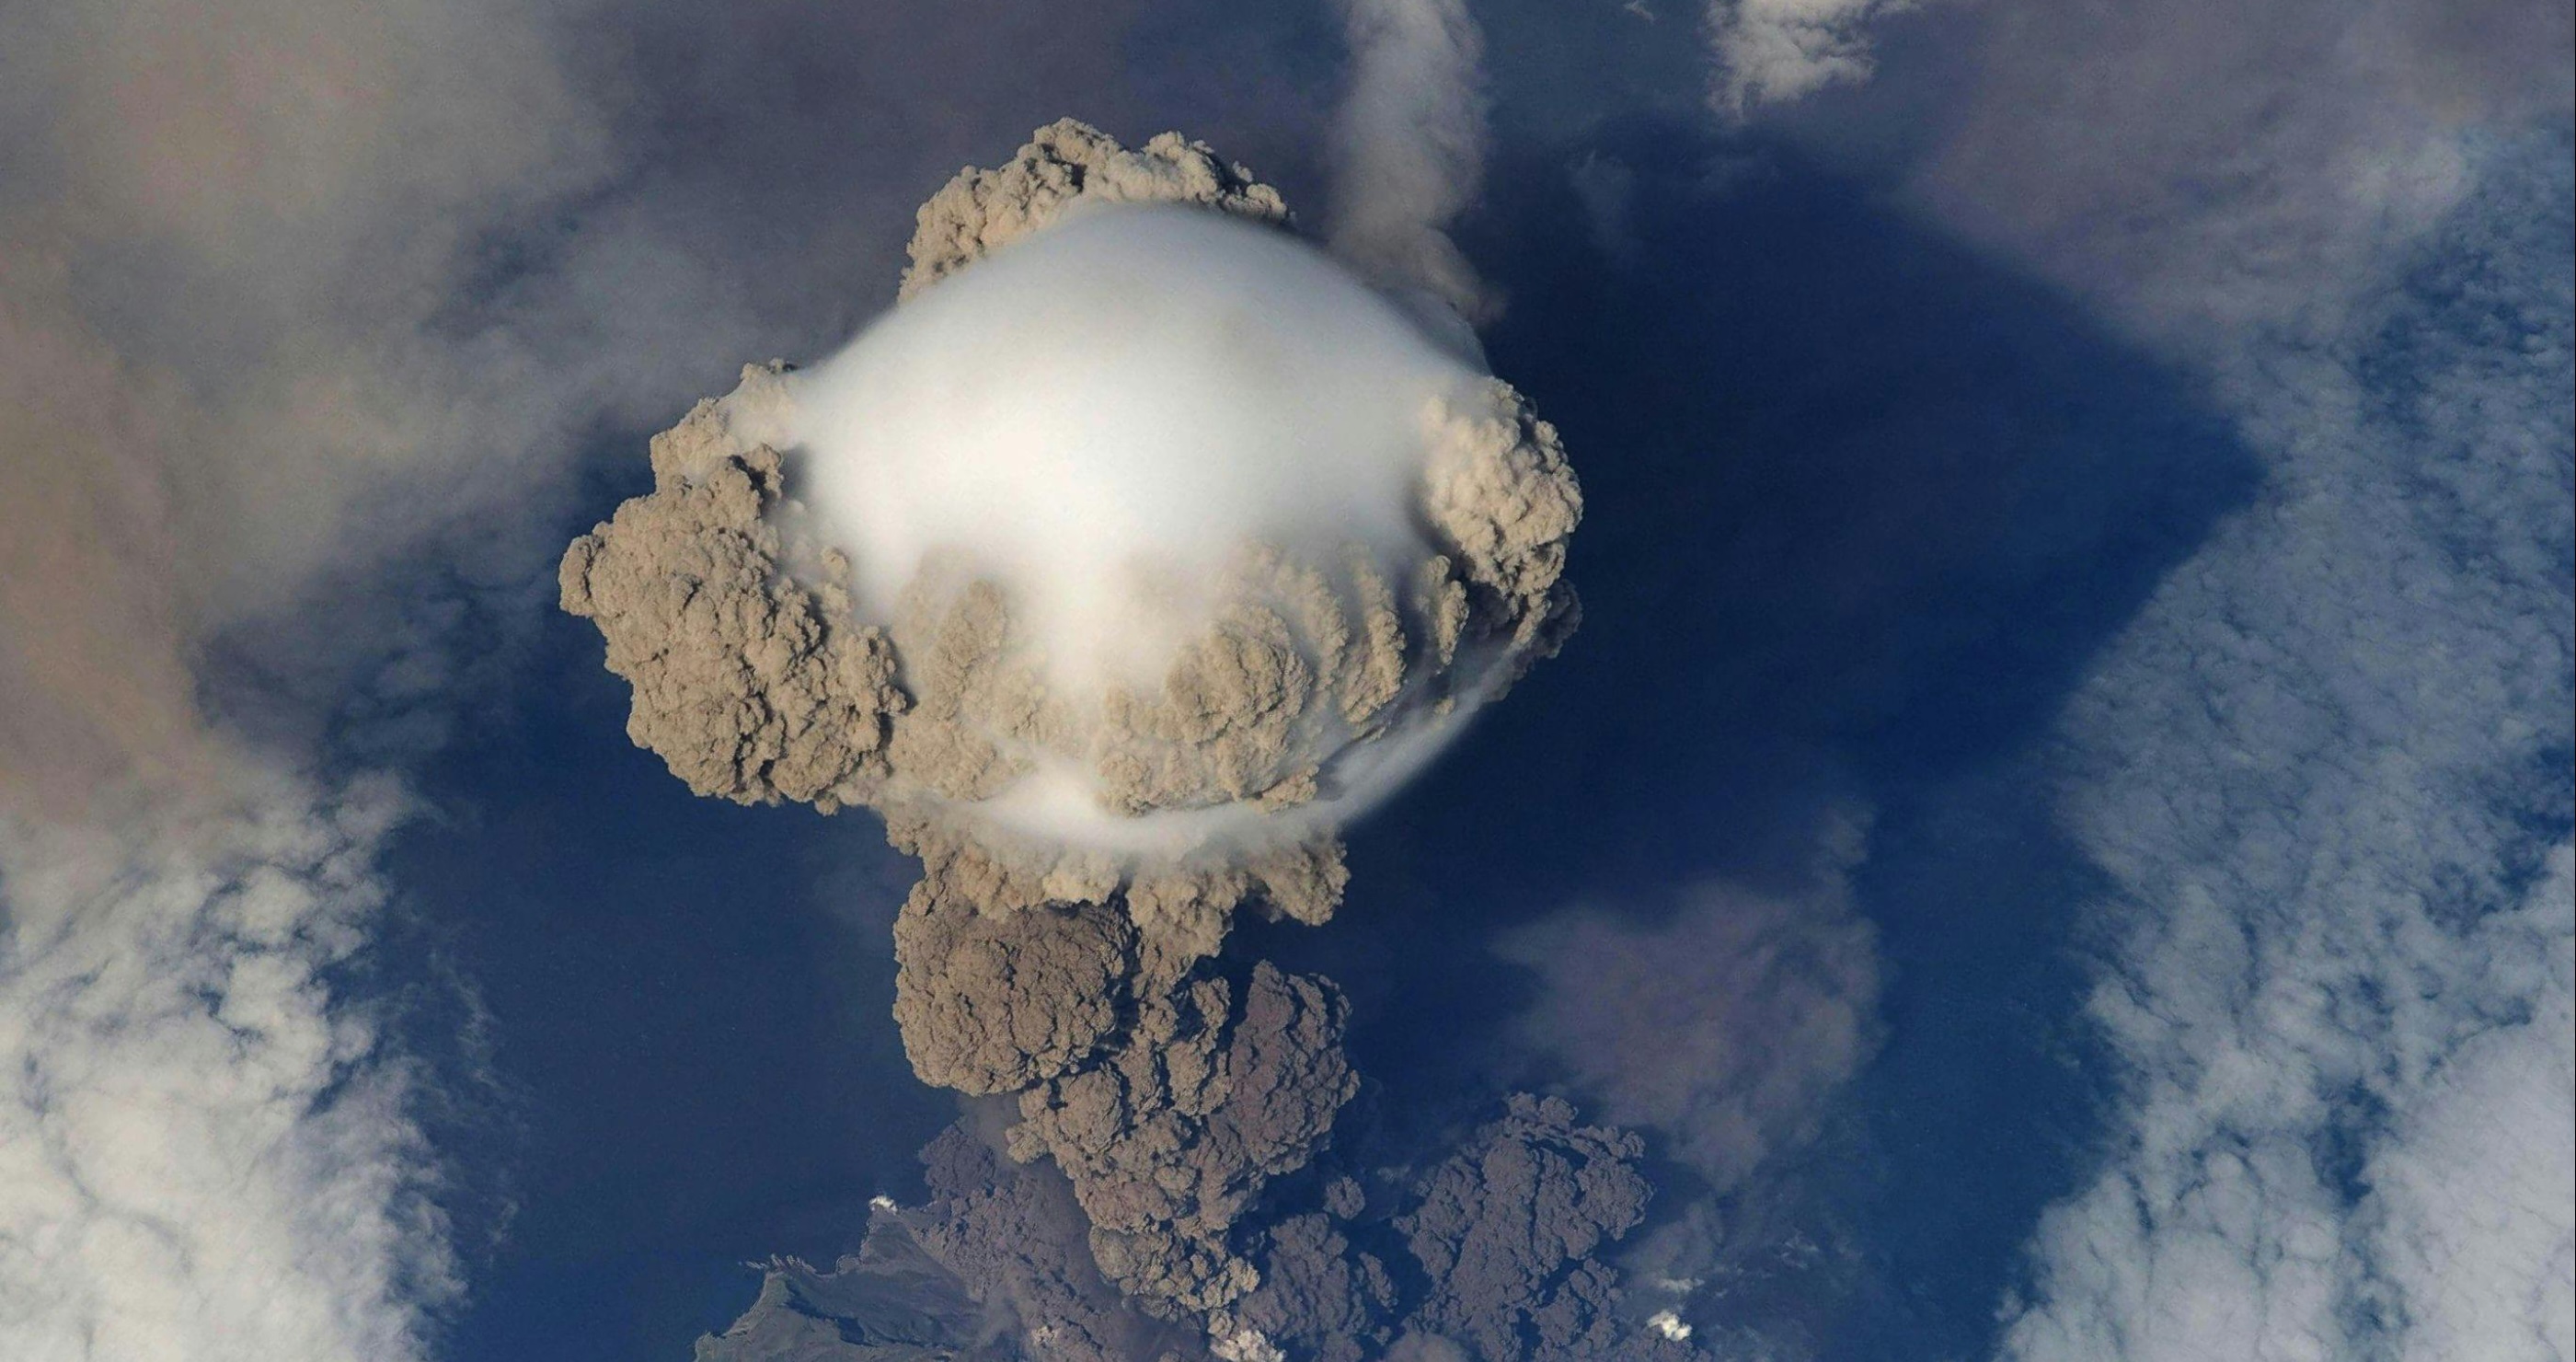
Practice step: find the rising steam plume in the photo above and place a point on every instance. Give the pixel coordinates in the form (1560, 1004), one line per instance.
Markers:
(1136, 551)
(1409, 146)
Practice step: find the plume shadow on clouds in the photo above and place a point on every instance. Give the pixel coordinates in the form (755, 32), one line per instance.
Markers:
(1869, 499)
(1860, 507)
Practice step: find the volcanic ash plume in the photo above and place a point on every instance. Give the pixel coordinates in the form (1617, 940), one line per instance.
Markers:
(1135, 551)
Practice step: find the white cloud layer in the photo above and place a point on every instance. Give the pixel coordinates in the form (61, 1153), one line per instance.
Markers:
(203, 1157)
(2324, 770)
(251, 348)
(2326, 765)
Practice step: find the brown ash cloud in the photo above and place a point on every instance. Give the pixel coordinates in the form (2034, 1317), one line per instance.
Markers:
(1170, 1100)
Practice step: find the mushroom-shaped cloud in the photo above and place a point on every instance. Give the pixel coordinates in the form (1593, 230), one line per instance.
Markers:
(1136, 551)
(1154, 544)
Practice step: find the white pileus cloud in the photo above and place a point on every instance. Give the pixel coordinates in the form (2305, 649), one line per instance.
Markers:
(1103, 420)
(1130, 397)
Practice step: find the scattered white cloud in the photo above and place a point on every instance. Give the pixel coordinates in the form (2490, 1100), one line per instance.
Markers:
(252, 347)
(2473, 1184)
(2325, 766)
(1776, 51)
(204, 1155)
(2326, 769)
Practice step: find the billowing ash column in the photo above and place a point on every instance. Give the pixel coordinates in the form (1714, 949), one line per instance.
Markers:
(1139, 548)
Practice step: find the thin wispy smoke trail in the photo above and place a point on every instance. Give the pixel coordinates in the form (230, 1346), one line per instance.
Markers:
(1409, 145)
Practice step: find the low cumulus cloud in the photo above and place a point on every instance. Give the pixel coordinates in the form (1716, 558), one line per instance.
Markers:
(2319, 767)
(2325, 769)
(204, 1153)
(1777, 51)
(2326, 766)
(250, 355)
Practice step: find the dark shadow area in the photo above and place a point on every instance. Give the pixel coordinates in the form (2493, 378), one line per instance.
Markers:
(1861, 508)
(689, 1020)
